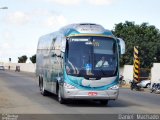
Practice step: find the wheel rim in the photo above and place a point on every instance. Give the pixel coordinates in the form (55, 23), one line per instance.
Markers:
(41, 87)
(59, 96)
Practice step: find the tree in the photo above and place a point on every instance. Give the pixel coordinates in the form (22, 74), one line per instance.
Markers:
(146, 37)
(22, 59)
(33, 59)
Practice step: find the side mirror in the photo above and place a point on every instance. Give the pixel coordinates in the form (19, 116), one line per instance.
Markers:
(122, 46)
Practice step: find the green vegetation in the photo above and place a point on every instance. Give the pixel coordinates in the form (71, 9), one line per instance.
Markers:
(33, 59)
(146, 37)
(22, 59)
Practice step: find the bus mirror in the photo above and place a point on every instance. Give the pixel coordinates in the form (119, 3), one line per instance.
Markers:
(122, 46)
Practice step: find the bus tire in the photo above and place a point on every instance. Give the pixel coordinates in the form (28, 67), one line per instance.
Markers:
(41, 86)
(60, 99)
(39, 80)
(104, 102)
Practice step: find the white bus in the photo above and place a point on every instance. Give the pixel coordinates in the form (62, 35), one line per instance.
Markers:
(80, 61)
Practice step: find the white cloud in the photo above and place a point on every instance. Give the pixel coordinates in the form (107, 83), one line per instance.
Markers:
(7, 36)
(100, 2)
(55, 21)
(42, 19)
(49, 19)
(66, 2)
(62, 2)
(62, 20)
(18, 18)
(76, 2)
(37, 17)
(5, 46)
(5, 49)
(41, 12)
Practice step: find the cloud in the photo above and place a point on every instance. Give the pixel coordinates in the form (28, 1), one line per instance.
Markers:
(77, 2)
(100, 2)
(7, 36)
(66, 2)
(49, 19)
(5, 49)
(61, 2)
(55, 21)
(5, 46)
(37, 17)
(18, 18)
(41, 12)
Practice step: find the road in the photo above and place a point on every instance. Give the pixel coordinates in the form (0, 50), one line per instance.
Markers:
(19, 93)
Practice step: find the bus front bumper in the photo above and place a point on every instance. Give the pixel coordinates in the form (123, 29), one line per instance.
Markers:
(90, 94)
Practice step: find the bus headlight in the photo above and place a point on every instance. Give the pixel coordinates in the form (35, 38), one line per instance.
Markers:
(115, 87)
(68, 86)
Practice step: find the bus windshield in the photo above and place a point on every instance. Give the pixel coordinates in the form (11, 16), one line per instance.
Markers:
(91, 57)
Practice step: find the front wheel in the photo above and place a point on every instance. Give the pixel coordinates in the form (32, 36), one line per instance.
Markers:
(60, 99)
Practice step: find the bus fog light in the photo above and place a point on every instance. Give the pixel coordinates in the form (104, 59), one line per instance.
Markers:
(115, 87)
(68, 86)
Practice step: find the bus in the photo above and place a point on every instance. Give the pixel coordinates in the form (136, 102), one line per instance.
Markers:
(68, 63)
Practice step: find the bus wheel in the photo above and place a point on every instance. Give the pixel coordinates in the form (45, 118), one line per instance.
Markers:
(42, 90)
(104, 102)
(60, 99)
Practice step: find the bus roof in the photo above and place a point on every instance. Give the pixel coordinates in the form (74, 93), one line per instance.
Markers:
(85, 28)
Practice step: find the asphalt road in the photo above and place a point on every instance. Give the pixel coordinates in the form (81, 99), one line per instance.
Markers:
(19, 93)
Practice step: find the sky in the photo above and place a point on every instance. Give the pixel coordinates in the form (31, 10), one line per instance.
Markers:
(25, 21)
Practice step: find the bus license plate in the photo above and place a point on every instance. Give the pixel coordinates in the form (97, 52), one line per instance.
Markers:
(92, 93)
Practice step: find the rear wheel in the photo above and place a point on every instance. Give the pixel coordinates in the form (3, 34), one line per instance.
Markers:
(42, 89)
